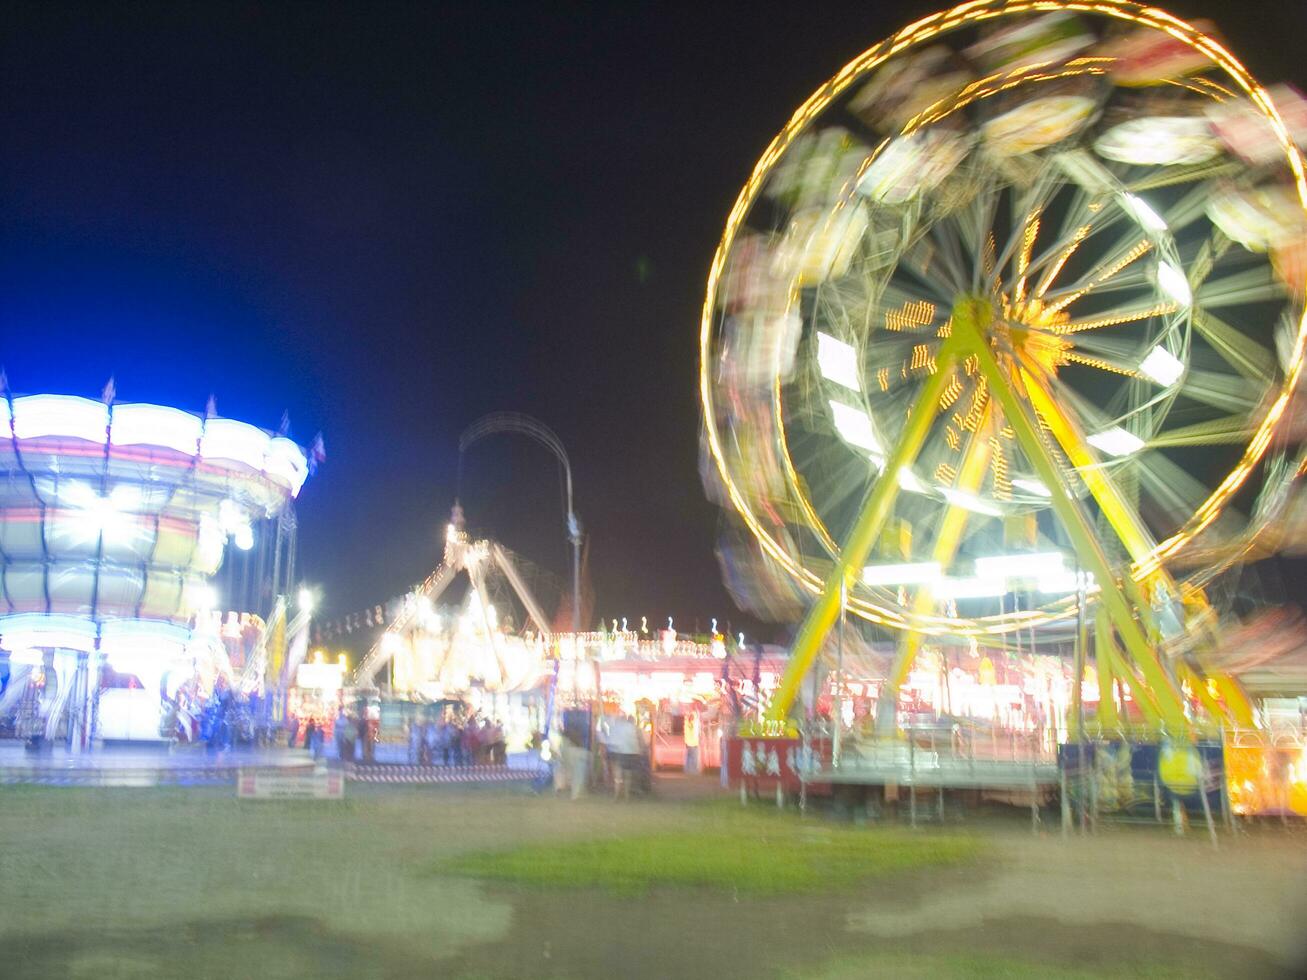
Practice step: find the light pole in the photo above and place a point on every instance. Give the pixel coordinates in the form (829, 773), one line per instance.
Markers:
(517, 424)
(514, 423)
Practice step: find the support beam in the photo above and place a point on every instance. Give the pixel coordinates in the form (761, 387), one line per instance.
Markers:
(969, 318)
(506, 565)
(875, 510)
(974, 465)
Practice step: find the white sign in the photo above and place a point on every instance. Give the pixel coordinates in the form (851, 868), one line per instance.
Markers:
(290, 784)
(324, 677)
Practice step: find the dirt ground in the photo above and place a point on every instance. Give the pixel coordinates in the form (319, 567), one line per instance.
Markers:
(192, 884)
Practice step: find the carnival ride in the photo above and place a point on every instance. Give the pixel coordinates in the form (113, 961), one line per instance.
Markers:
(1003, 338)
(513, 663)
(114, 520)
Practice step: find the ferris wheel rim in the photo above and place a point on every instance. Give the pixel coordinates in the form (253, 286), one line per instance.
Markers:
(905, 40)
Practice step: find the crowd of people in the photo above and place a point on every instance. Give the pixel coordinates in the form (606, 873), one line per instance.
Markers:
(622, 763)
(455, 742)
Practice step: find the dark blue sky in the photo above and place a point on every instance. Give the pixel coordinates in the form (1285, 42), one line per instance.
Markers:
(390, 219)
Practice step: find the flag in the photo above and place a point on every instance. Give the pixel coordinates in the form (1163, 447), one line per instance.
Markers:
(317, 453)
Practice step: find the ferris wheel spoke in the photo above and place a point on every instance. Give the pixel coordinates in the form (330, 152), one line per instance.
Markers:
(1223, 391)
(1172, 488)
(1226, 430)
(1171, 176)
(1205, 260)
(1115, 317)
(1241, 352)
(1127, 252)
(1250, 286)
(1188, 209)
(1024, 229)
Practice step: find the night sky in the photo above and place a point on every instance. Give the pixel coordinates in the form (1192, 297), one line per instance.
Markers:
(390, 219)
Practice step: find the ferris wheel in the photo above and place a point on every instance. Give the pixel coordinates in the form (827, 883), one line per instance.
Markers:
(1009, 315)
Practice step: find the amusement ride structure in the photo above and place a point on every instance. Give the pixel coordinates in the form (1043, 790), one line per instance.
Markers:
(115, 520)
(513, 663)
(1003, 338)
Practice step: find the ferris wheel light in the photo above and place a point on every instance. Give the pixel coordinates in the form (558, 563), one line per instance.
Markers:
(243, 537)
(1116, 441)
(913, 573)
(979, 587)
(1173, 282)
(910, 482)
(1064, 582)
(1162, 366)
(838, 362)
(1021, 566)
(969, 501)
(1145, 215)
(1032, 486)
(855, 428)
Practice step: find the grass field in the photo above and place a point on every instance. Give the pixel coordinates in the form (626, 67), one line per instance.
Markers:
(745, 854)
(395, 882)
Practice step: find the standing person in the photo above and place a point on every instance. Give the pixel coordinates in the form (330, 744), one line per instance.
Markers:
(471, 742)
(416, 748)
(294, 726)
(455, 736)
(317, 739)
(623, 755)
(348, 735)
(577, 760)
(692, 742)
(310, 731)
(341, 732)
(362, 727)
(431, 742)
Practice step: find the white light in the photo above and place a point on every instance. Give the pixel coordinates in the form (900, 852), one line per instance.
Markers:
(838, 362)
(1021, 566)
(286, 461)
(1145, 215)
(36, 416)
(970, 588)
(910, 482)
(1162, 366)
(204, 598)
(1116, 441)
(915, 573)
(243, 537)
(307, 600)
(21, 631)
(969, 501)
(1032, 486)
(155, 425)
(230, 516)
(143, 643)
(236, 441)
(854, 427)
(1064, 583)
(1173, 282)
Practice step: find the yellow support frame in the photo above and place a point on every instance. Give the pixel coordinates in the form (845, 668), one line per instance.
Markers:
(966, 338)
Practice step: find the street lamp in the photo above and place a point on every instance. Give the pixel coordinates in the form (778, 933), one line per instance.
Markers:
(518, 424)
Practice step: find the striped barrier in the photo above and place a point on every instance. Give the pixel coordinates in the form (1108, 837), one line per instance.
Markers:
(225, 775)
(439, 774)
(160, 776)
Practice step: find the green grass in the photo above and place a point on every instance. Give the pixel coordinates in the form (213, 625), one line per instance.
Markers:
(745, 855)
(988, 966)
